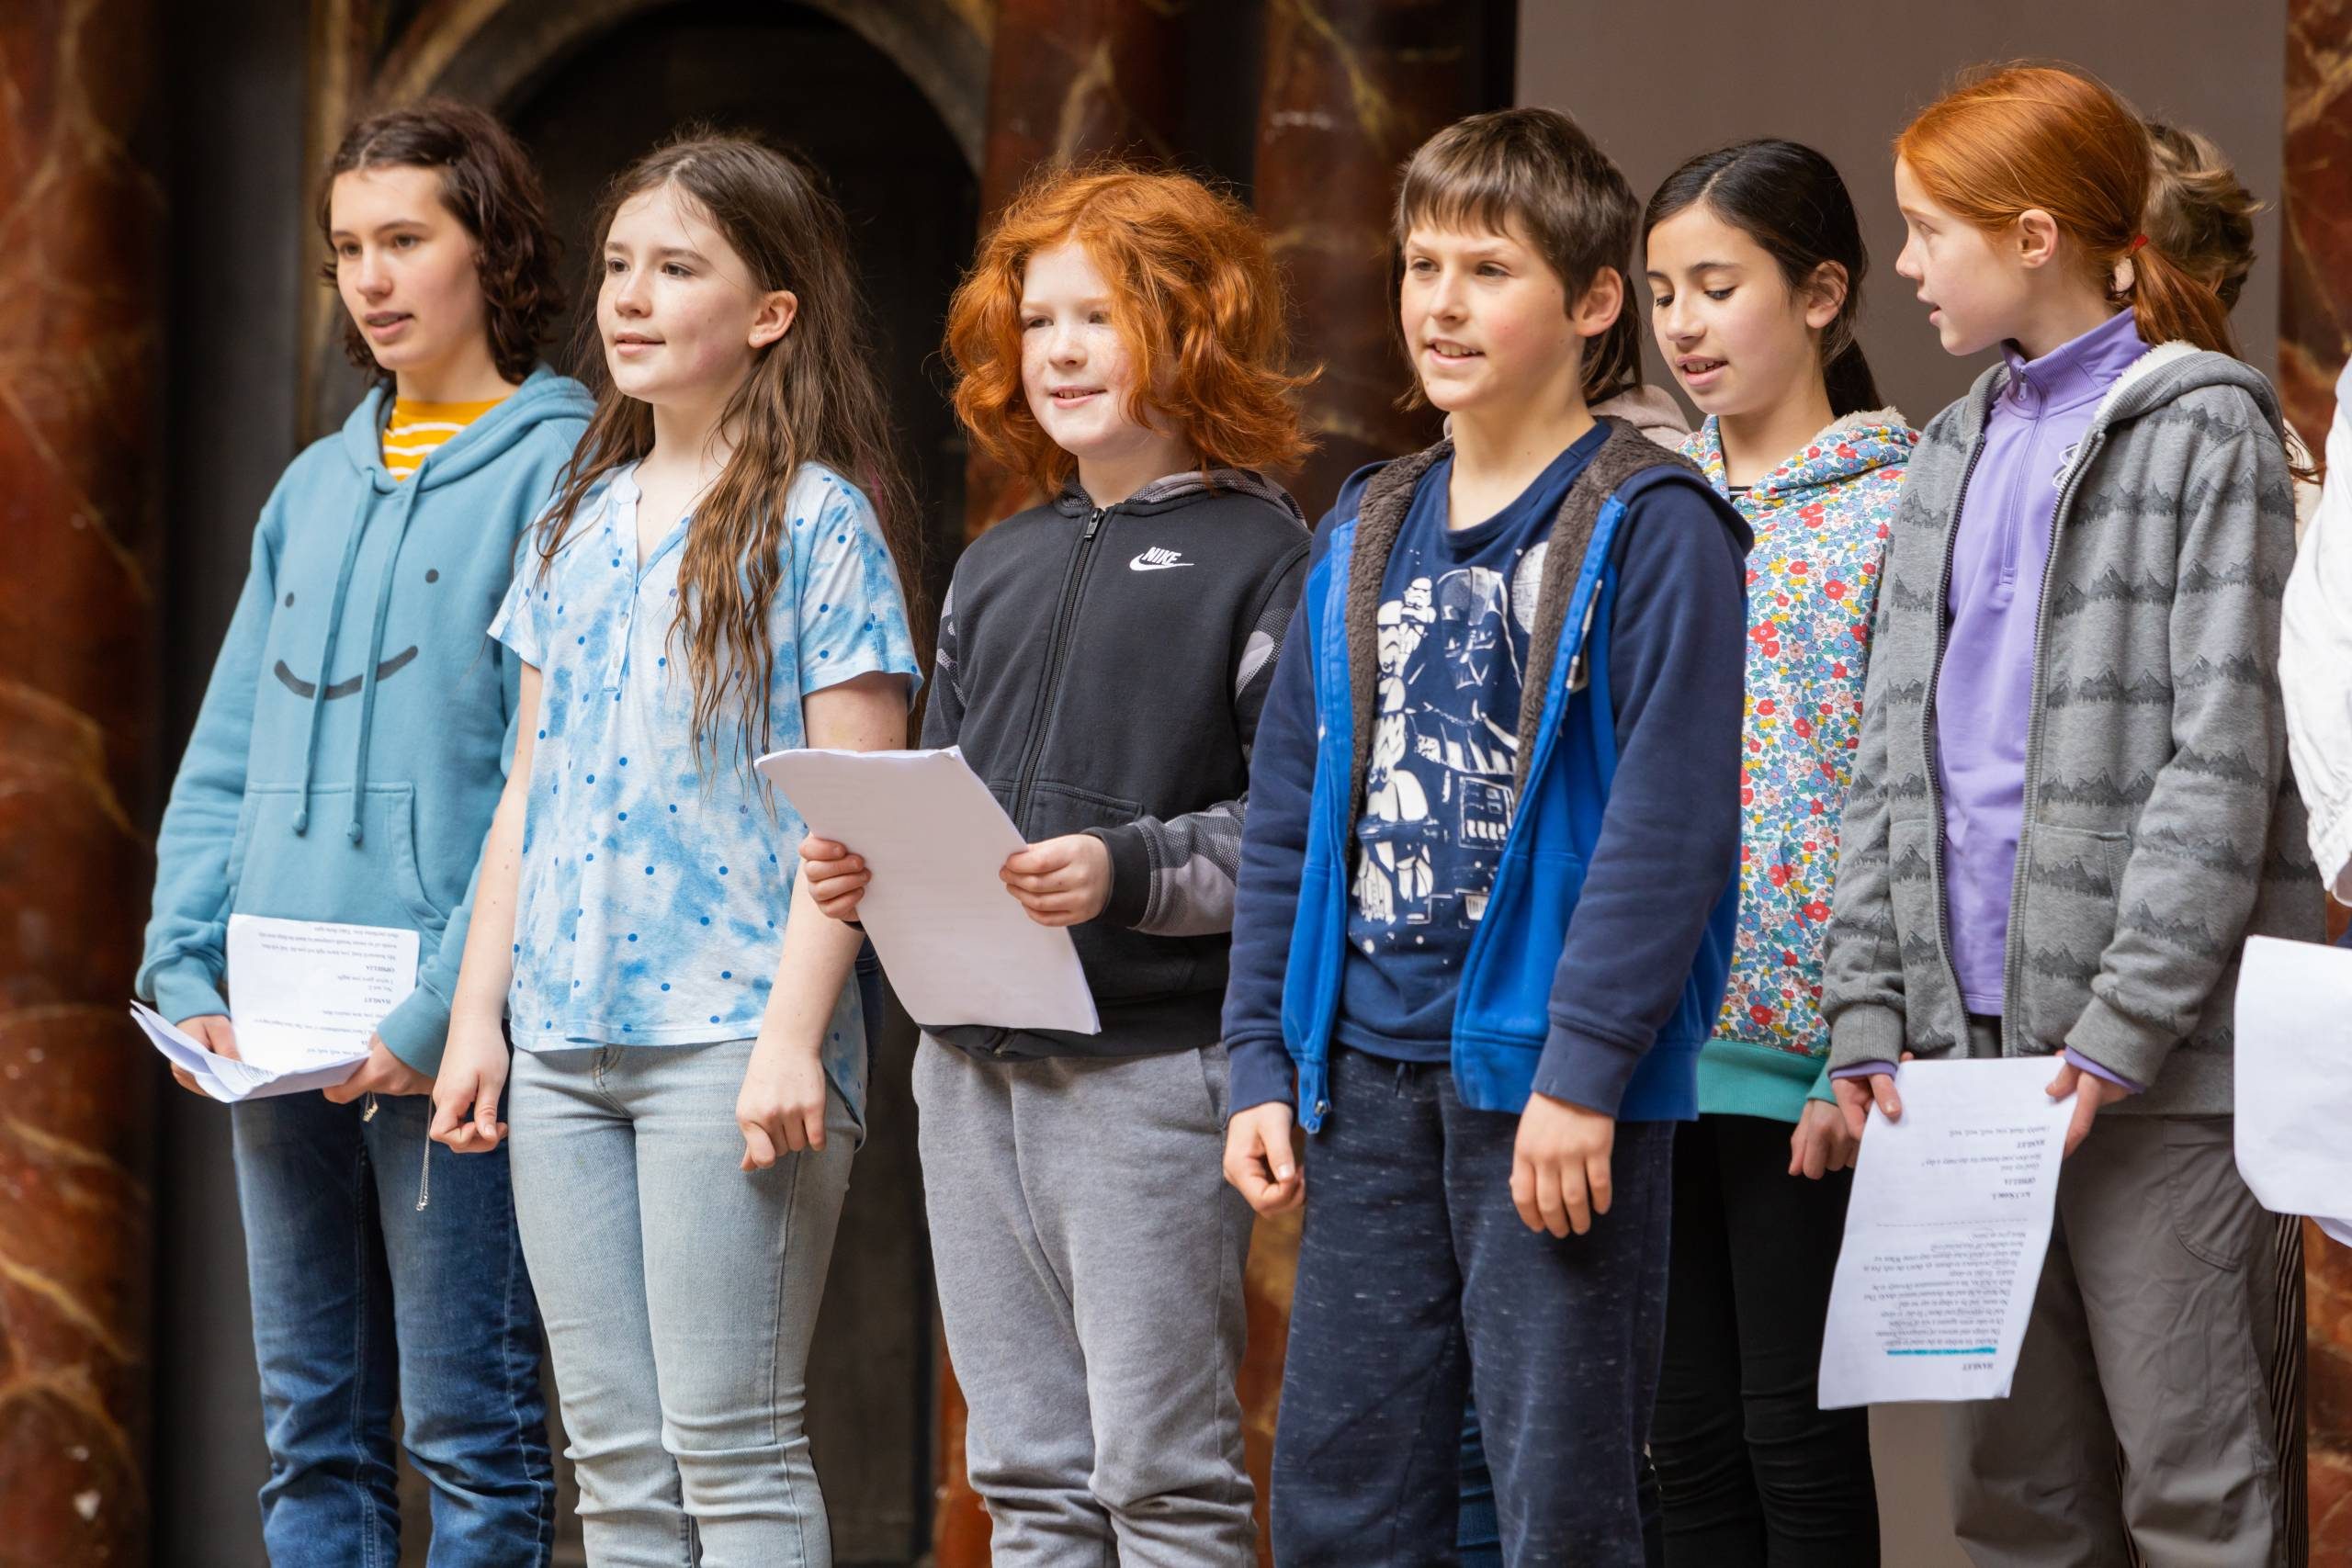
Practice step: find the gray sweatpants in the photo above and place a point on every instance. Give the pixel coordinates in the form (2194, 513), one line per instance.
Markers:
(1088, 1256)
(2144, 1336)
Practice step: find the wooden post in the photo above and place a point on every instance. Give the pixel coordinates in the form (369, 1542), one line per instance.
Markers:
(78, 698)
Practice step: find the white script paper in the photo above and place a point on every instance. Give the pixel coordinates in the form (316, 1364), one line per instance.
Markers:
(307, 994)
(1945, 1235)
(2294, 1079)
(305, 997)
(958, 947)
(225, 1078)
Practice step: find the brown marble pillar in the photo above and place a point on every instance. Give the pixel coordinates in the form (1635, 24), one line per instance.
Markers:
(1070, 80)
(1352, 87)
(2315, 338)
(77, 703)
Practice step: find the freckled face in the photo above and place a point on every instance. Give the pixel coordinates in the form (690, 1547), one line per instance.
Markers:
(1076, 371)
(1976, 290)
(680, 316)
(405, 268)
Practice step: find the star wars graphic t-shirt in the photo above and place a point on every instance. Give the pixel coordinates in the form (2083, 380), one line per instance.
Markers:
(1456, 608)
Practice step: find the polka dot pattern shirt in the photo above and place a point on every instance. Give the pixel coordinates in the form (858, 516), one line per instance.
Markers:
(651, 901)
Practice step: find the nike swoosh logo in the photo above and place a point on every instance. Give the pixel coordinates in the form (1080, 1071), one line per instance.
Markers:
(384, 671)
(1139, 564)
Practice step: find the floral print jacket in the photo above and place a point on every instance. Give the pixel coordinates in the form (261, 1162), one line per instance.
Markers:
(1821, 523)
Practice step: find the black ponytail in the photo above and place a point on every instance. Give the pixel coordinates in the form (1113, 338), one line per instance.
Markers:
(1790, 200)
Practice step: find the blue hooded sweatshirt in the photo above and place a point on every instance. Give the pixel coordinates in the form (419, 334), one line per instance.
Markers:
(354, 740)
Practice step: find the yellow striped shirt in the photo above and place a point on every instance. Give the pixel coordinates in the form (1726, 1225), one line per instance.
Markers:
(416, 429)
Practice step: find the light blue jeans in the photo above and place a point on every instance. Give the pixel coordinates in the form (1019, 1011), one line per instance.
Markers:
(678, 1293)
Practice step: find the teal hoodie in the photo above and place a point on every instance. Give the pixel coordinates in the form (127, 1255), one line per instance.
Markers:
(354, 740)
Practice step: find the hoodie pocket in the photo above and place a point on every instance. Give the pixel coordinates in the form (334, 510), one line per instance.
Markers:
(1121, 964)
(2067, 919)
(320, 874)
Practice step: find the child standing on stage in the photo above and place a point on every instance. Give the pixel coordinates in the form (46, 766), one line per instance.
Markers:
(1103, 660)
(1488, 893)
(344, 767)
(2056, 842)
(714, 581)
(1755, 268)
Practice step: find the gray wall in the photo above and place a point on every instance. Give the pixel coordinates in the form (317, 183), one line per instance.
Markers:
(1844, 76)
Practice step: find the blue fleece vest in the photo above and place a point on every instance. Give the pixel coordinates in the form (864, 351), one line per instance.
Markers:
(1501, 1016)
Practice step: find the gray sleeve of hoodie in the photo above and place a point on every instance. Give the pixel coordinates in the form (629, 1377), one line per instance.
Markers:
(1175, 877)
(1861, 993)
(2180, 919)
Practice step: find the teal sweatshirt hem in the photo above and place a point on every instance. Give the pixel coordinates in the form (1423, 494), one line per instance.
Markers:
(1737, 1078)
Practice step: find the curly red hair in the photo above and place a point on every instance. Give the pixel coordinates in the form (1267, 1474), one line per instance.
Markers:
(1199, 307)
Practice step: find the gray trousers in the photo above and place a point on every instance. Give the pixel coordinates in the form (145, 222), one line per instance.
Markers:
(1088, 1256)
(2144, 1338)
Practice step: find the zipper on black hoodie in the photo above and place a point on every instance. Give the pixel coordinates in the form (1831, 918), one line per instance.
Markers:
(1056, 650)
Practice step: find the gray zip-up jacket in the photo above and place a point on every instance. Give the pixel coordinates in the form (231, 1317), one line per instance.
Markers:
(2161, 826)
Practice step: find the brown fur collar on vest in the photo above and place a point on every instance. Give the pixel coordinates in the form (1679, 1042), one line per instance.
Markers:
(1380, 517)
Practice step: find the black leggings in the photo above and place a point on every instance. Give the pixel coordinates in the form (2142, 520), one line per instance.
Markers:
(1752, 1473)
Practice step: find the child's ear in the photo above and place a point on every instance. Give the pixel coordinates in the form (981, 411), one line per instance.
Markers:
(2036, 237)
(1596, 310)
(777, 311)
(1825, 295)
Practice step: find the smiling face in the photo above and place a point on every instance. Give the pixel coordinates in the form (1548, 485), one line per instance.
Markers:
(1740, 340)
(1077, 373)
(680, 314)
(404, 267)
(1487, 320)
(1976, 288)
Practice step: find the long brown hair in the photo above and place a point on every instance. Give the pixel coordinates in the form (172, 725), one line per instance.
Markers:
(490, 188)
(811, 396)
(2054, 138)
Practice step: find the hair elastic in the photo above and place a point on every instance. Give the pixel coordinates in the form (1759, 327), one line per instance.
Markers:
(2137, 240)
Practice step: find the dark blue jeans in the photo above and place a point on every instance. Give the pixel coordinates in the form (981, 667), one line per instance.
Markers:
(1415, 1282)
(357, 1292)
(1479, 1535)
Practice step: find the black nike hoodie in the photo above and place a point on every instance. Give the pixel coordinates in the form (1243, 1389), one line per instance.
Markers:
(1103, 670)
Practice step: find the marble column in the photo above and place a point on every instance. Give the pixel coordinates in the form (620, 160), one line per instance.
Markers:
(1352, 87)
(1070, 80)
(77, 721)
(2314, 339)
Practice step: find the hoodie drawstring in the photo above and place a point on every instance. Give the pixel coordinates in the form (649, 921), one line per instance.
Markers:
(358, 830)
(326, 653)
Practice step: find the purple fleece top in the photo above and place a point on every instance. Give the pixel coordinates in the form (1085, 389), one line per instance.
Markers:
(1985, 690)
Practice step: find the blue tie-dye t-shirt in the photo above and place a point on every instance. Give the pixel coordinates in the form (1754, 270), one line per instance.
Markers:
(651, 901)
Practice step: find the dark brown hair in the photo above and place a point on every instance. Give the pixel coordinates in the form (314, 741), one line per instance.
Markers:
(1788, 199)
(811, 396)
(1537, 166)
(2199, 213)
(1199, 307)
(490, 187)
